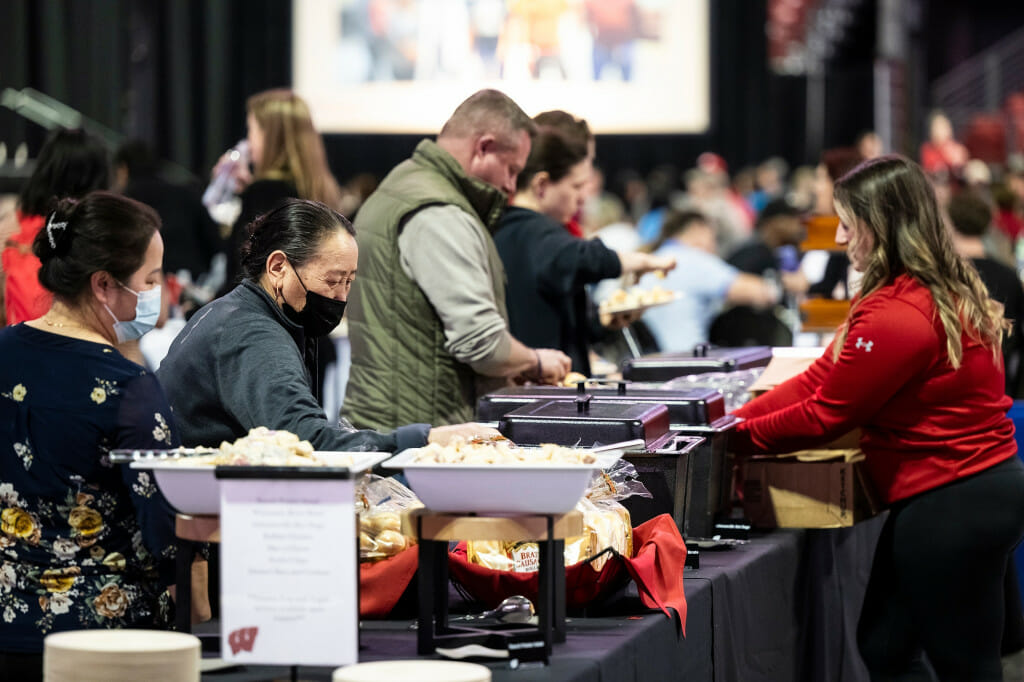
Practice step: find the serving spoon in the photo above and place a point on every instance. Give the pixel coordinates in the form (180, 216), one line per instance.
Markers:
(513, 609)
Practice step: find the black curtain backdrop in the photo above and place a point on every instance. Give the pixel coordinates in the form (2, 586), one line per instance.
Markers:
(173, 73)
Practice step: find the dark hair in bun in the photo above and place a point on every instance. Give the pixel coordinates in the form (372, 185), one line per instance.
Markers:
(297, 227)
(100, 232)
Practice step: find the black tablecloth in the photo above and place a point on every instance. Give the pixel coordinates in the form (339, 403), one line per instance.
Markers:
(782, 607)
(641, 647)
(785, 606)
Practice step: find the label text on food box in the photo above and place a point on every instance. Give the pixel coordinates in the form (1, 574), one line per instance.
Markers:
(526, 558)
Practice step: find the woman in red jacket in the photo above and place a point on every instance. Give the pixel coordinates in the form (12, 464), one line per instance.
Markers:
(71, 164)
(917, 366)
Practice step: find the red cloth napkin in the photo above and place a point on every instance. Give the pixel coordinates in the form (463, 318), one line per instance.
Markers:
(657, 566)
(381, 583)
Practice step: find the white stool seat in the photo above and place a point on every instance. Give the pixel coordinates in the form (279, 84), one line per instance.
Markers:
(121, 656)
(413, 671)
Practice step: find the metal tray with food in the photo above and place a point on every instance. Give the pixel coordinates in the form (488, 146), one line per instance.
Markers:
(501, 478)
(636, 300)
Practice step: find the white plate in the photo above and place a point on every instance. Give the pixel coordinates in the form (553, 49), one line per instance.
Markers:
(499, 488)
(194, 488)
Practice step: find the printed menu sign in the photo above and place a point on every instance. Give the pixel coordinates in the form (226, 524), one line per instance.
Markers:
(289, 572)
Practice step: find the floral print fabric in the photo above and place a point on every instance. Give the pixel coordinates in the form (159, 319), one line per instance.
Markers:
(84, 543)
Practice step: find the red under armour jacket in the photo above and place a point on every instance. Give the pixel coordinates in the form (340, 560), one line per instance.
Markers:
(924, 424)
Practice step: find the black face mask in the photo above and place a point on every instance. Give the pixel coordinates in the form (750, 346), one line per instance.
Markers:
(320, 315)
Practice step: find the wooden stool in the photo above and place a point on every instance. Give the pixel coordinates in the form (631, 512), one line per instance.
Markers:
(433, 531)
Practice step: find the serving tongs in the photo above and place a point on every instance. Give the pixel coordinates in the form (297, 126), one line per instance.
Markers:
(126, 456)
(625, 446)
(674, 443)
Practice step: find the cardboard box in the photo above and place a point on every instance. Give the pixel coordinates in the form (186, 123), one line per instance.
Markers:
(786, 362)
(808, 489)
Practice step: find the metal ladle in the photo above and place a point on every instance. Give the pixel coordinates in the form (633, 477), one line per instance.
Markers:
(514, 609)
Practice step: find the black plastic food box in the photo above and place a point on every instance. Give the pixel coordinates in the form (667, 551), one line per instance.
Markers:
(702, 359)
(686, 406)
(693, 485)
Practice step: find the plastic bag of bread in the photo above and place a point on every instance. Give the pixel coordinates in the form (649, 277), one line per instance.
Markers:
(380, 502)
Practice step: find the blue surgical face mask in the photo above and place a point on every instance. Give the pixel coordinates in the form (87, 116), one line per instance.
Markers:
(147, 311)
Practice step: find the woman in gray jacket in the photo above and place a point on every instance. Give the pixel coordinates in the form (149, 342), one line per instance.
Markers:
(248, 358)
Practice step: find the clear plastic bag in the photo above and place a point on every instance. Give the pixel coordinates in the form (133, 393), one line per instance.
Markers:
(734, 386)
(617, 482)
(380, 503)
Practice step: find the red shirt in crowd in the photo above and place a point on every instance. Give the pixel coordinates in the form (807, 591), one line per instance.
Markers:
(949, 156)
(1011, 224)
(924, 424)
(24, 298)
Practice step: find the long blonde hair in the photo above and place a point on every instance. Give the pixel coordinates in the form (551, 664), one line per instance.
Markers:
(292, 148)
(891, 196)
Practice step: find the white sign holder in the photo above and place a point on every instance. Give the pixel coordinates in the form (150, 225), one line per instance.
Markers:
(289, 566)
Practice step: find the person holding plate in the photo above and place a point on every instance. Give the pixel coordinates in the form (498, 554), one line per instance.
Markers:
(547, 267)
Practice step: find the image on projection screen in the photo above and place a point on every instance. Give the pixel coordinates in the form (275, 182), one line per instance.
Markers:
(401, 66)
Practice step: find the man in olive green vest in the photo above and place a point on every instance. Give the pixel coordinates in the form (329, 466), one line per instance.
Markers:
(427, 319)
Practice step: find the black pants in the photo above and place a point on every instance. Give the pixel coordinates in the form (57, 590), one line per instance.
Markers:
(936, 584)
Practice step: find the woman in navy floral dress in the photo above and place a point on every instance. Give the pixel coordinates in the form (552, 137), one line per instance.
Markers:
(83, 543)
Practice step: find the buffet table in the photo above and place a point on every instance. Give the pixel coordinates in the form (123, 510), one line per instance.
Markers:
(640, 647)
(782, 607)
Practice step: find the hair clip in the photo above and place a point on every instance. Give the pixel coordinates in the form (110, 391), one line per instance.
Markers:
(51, 226)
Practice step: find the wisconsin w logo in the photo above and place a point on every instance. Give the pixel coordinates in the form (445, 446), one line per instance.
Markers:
(866, 345)
(242, 639)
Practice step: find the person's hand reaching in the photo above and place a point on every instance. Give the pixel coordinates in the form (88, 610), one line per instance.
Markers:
(443, 435)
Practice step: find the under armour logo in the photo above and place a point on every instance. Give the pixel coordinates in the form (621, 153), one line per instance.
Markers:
(242, 639)
(866, 345)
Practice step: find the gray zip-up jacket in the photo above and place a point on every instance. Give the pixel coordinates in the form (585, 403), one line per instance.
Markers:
(239, 363)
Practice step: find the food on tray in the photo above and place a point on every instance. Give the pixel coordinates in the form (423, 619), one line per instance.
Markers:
(262, 447)
(636, 297)
(605, 524)
(380, 502)
(500, 452)
(572, 378)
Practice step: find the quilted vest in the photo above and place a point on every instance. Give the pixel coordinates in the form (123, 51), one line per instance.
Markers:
(401, 372)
